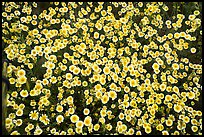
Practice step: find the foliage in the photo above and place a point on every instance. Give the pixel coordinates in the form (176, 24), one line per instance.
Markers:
(103, 67)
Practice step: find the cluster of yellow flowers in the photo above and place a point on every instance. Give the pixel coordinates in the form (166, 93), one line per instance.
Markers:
(103, 68)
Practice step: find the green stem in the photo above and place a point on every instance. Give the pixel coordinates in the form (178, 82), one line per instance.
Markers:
(4, 93)
(27, 85)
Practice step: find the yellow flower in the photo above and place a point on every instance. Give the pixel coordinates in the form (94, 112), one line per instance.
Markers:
(115, 39)
(8, 121)
(112, 95)
(87, 121)
(105, 99)
(59, 108)
(186, 119)
(121, 116)
(15, 133)
(22, 80)
(30, 126)
(38, 131)
(59, 119)
(106, 70)
(102, 81)
(44, 119)
(168, 97)
(176, 89)
(96, 127)
(124, 127)
(196, 12)
(133, 83)
(160, 127)
(120, 130)
(79, 124)
(70, 99)
(162, 87)
(19, 112)
(199, 113)
(72, 67)
(176, 35)
(155, 66)
(76, 70)
(74, 118)
(164, 132)
(191, 95)
(96, 35)
(12, 80)
(71, 110)
(193, 50)
(45, 82)
(34, 115)
(30, 65)
(114, 77)
(103, 113)
(169, 122)
(98, 87)
(24, 93)
(95, 68)
(126, 89)
(128, 118)
(123, 20)
(191, 17)
(14, 94)
(194, 128)
(138, 133)
(38, 86)
(177, 108)
(69, 76)
(86, 111)
(170, 36)
(98, 94)
(51, 65)
(21, 72)
(106, 29)
(175, 66)
(176, 133)
(148, 129)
